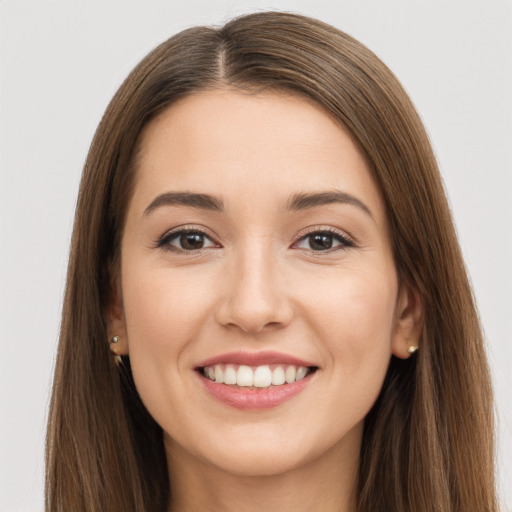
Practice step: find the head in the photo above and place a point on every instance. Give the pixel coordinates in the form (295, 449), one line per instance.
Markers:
(415, 429)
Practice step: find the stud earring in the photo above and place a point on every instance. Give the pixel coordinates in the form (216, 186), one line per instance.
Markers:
(115, 350)
(412, 349)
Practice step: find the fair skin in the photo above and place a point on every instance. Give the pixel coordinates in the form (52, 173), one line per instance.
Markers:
(315, 281)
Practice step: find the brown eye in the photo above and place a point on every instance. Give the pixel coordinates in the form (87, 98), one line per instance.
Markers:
(320, 241)
(323, 241)
(189, 241)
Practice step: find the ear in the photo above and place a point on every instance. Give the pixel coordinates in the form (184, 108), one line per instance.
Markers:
(116, 325)
(409, 315)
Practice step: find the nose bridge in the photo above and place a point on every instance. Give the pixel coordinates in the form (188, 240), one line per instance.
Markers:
(254, 298)
(256, 268)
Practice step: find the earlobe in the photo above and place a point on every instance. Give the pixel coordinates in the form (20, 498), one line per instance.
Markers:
(115, 349)
(408, 322)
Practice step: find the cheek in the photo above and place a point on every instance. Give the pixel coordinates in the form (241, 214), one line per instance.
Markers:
(163, 310)
(353, 315)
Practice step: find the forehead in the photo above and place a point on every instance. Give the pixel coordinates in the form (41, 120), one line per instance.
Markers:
(234, 144)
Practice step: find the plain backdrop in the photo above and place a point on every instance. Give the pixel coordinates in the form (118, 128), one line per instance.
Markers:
(61, 63)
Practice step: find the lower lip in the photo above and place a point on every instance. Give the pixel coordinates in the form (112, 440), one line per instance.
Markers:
(253, 399)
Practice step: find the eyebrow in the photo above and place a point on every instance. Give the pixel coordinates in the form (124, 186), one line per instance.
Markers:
(193, 200)
(298, 201)
(302, 201)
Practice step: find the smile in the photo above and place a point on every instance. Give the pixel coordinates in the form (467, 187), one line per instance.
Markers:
(255, 381)
(255, 377)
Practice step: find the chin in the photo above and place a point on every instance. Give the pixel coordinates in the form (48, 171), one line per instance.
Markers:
(260, 462)
(261, 451)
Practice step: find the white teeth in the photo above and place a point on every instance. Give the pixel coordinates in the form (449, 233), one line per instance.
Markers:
(259, 376)
(290, 374)
(229, 375)
(301, 373)
(278, 376)
(219, 375)
(262, 377)
(244, 376)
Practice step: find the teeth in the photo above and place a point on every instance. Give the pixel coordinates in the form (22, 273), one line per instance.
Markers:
(299, 374)
(290, 374)
(219, 374)
(278, 376)
(244, 376)
(229, 375)
(258, 377)
(262, 377)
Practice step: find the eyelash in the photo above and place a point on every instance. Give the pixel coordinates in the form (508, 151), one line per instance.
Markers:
(344, 241)
(165, 241)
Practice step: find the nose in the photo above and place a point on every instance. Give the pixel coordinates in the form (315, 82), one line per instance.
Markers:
(254, 297)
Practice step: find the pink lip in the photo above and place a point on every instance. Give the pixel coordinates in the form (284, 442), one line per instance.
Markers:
(254, 399)
(254, 359)
(250, 398)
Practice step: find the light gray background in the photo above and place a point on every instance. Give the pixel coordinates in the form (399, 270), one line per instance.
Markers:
(62, 61)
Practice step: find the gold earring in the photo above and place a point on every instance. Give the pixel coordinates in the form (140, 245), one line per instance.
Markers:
(412, 349)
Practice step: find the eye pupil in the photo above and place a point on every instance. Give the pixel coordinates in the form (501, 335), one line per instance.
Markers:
(320, 241)
(191, 241)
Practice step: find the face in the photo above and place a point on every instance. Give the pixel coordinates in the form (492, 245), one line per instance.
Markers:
(257, 294)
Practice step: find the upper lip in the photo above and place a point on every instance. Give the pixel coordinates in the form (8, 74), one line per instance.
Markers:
(254, 359)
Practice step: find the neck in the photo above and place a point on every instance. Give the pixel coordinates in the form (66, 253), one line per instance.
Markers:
(326, 483)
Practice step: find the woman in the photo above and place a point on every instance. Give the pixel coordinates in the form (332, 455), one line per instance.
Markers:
(266, 304)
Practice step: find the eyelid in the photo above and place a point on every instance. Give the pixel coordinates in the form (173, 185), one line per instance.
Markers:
(346, 240)
(162, 241)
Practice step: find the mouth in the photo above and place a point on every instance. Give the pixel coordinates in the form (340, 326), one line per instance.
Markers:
(256, 377)
(255, 381)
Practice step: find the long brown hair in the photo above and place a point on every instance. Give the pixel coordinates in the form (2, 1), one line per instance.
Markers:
(428, 440)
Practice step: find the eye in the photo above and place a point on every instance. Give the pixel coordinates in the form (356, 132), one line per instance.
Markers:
(323, 241)
(186, 240)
